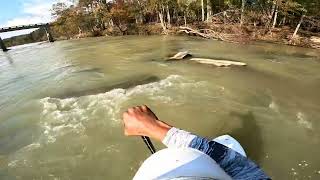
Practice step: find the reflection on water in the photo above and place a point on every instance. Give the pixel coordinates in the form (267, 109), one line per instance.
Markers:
(9, 58)
(249, 135)
(61, 104)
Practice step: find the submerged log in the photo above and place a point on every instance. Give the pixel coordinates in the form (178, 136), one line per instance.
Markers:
(125, 84)
(180, 55)
(219, 63)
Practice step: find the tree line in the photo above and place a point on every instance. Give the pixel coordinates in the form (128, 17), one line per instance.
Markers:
(95, 16)
(100, 17)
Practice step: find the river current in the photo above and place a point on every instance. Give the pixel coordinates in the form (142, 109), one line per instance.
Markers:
(61, 104)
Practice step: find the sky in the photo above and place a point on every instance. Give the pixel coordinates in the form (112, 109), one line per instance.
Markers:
(23, 12)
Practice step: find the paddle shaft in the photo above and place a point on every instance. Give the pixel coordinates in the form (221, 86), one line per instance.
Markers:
(149, 144)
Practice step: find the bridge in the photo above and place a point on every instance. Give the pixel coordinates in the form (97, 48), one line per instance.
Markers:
(45, 26)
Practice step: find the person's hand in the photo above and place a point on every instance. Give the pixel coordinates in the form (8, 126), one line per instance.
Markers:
(141, 121)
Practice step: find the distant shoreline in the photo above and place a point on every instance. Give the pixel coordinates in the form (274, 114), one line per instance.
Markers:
(227, 33)
(232, 33)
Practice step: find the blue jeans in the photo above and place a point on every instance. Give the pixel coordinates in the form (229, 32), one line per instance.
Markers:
(236, 165)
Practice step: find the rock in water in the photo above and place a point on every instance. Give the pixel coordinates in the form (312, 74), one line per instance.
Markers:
(315, 42)
(315, 39)
(180, 55)
(219, 63)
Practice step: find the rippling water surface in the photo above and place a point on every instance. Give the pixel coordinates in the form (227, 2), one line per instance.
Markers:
(61, 104)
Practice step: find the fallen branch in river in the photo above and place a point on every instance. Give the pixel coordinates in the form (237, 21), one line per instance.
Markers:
(189, 31)
(211, 34)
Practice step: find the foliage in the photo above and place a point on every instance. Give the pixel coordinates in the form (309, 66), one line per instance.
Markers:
(93, 15)
(99, 17)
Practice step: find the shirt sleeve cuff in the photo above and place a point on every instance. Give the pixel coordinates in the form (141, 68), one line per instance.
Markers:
(178, 138)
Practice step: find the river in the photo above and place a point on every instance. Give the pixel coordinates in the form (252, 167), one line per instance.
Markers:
(61, 104)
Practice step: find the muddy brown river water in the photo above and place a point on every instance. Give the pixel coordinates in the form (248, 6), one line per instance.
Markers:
(61, 104)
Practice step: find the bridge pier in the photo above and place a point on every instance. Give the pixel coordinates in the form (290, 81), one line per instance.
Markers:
(3, 46)
(49, 35)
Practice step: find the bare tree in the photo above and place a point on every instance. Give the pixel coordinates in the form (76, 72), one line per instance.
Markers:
(276, 9)
(163, 24)
(243, 4)
(208, 11)
(168, 16)
(297, 28)
(202, 10)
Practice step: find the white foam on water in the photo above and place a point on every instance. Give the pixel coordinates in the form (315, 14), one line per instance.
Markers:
(13, 163)
(18, 157)
(61, 116)
(302, 120)
(302, 170)
(273, 106)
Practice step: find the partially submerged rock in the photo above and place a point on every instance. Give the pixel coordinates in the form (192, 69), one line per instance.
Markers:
(315, 42)
(219, 63)
(180, 55)
(315, 39)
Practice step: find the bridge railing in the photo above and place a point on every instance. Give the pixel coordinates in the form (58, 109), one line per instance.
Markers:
(30, 26)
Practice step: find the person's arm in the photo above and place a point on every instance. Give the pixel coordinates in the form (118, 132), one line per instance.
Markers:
(142, 121)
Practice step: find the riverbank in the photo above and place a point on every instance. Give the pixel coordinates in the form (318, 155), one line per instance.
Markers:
(223, 32)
